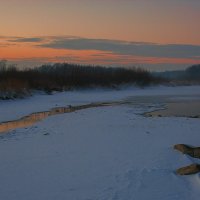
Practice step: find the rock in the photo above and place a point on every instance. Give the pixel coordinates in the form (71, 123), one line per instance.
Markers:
(191, 151)
(191, 169)
(197, 152)
(185, 149)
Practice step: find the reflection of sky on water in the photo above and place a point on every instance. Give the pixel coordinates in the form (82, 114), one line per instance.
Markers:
(168, 105)
(36, 117)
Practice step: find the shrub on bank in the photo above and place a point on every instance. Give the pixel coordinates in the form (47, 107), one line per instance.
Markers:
(63, 76)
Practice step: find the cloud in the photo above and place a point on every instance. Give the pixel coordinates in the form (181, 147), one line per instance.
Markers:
(113, 46)
(32, 39)
(126, 48)
(6, 44)
(100, 51)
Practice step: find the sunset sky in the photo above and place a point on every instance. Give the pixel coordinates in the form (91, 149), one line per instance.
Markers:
(154, 34)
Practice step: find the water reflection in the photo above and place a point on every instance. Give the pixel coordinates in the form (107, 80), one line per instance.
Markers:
(23, 122)
(180, 106)
(36, 117)
(168, 105)
(178, 109)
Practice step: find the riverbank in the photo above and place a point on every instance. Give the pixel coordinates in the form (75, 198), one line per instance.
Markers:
(99, 153)
(14, 109)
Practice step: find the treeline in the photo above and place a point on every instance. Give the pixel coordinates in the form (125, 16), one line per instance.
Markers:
(189, 76)
(193, 73)
(62, 76)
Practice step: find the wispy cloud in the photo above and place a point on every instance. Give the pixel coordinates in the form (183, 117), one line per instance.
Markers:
(30, 39)
(114, 46)
(49, 49)
(126, 48)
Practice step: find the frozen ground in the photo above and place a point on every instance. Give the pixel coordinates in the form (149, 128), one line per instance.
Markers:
(106, 153)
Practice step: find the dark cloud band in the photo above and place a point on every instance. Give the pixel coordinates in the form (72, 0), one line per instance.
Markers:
(126, 48)
(34, 39)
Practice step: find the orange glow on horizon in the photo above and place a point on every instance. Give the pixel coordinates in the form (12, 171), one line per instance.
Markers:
(94, 57)
(30, 54)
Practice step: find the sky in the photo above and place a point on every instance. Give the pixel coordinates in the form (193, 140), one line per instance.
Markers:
(153, 34)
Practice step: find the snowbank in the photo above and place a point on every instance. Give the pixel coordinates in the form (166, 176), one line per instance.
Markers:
(107, 153)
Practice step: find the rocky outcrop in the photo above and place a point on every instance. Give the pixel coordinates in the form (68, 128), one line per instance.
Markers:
(191, 151)
(191, 169)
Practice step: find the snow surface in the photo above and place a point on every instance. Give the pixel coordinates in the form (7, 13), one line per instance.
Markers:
(105, 153)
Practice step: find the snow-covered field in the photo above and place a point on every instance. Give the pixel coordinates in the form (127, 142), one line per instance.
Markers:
(105, 153)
